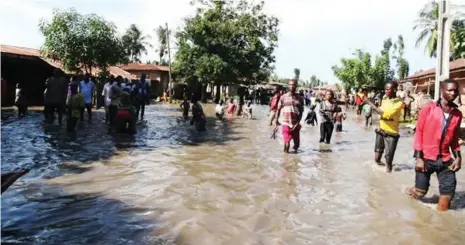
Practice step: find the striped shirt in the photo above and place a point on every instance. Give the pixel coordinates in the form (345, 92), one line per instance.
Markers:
(292, 107)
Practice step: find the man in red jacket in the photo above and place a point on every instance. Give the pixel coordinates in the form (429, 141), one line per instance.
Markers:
(437, 134)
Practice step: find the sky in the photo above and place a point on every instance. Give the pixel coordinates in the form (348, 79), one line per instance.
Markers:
(314, 34)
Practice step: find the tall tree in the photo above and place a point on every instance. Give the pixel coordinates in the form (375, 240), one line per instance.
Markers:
(398, 54)
(135, 43)
(427, 22)
(162, 33)
(459, 37)
(296, 74)
(226, 41)
(81, 42)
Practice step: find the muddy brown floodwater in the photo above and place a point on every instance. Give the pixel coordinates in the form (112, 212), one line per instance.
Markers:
(229, 185)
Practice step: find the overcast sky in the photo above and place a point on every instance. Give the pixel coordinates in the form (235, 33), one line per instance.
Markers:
(314, 34)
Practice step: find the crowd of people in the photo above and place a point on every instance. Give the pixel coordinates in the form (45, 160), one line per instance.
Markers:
(436, 141)
(124, 101)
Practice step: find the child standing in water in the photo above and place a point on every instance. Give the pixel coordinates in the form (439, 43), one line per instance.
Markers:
(247, 110)
(338, 118)
(231, 107)
(311, 118)
(75, 105)
(367, 111)
(219, 110)
(185, 109)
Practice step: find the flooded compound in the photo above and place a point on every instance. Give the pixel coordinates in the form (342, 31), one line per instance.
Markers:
(232, 184)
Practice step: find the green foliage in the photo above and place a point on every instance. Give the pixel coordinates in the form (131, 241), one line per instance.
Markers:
(398, 54)
(459, 36)
(162, 35)
(359, 71)
(314, 82)
(427, 22)
(226, 41)
(80, 41)
(135, 43)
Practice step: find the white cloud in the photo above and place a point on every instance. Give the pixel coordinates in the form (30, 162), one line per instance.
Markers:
(314, 34)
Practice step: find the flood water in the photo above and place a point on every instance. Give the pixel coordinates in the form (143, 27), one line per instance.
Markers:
(229, 185)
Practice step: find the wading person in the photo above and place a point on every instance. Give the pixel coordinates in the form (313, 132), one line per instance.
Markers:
(21, 101)
(106, 97)
(219, 110)
(387, 135)
(328, 108)
(311, 118)
(142, 96)
(198, 117)
(274, 104)
(56, 90)
(87, 88)
(231, 107)
(367, 112)
(437, 135)
(290, 108)
(185, 106)
(408, 100)
(359, 98)
(75, 105)
(125, 118)
(338, 118)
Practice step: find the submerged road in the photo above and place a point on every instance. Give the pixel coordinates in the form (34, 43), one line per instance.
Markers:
(229, 185)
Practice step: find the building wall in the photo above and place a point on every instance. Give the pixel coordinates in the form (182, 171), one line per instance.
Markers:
(459, 76)
(159, 80)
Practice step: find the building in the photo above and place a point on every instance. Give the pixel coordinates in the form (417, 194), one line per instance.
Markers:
(158, 75)
(424, 80)
(27, 67)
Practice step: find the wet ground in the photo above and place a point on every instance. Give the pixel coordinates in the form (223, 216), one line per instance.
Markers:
(230, 185)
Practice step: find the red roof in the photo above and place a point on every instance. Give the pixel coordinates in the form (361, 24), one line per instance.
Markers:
(114, 70)
(453, 66)
(144, 67)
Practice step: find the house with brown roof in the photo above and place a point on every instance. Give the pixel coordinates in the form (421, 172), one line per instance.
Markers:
(158, 75)
(27, 67)
(424, 80)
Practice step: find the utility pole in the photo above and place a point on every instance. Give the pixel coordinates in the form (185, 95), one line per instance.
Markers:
(170, 82)
(443, 48)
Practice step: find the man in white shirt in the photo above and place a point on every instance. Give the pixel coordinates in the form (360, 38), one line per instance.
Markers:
(106, 97)
(86, 88)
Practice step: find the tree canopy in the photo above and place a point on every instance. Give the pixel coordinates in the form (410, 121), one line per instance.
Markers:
(226, 41)
(135, 43)
(359, 71)
(81, 41)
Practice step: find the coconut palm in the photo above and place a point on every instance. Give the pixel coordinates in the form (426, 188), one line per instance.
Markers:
(428, 23)
(135, 43)
(162, 34)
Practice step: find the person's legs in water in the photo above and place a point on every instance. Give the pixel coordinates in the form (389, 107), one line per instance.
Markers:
(329, 132)
(379, 148)
(447, 183)
(71, 124)
(339, 127)
(287, 137)
(296, 137)
(89, 112)
(142, 110)
(391, 144)
(322, 132)
(367, 120)
(59, 108)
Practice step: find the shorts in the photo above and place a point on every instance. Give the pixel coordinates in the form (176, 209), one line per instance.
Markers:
(386, 143)
(446, 177)
(289, 135)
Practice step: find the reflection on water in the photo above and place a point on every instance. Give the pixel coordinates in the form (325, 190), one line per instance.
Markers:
(230, 185)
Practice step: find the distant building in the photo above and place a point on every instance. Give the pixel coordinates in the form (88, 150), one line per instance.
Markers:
(158, 75)
(424, 80)
(27, 67)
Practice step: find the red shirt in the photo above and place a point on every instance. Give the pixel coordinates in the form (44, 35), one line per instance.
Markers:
(274, 102)
(430, 138)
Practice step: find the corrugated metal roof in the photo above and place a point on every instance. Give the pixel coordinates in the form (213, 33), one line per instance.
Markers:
(114, 70)
(143, 67)
(453, 66)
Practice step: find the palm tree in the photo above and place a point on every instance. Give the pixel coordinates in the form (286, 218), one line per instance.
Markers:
(162, 33)
(135, 43)
(428, 23)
